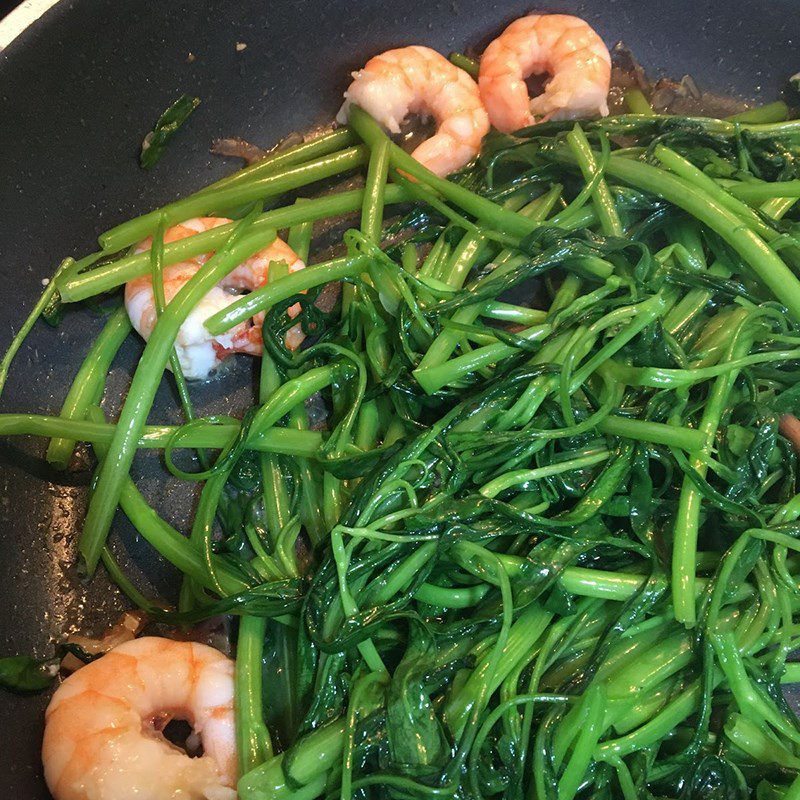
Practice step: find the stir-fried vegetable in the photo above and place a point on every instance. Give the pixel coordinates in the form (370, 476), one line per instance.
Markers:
(547, 542)
(154, 144)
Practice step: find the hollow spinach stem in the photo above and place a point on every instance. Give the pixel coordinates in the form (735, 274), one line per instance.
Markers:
(87, 387)
(231, 196)
(372, 211)
(253, 742)
(74, 287)
(122, 448)
(688, 513)
(50, 293)
(485, 210)
(267, 296)
(319, 146)
(765, 263)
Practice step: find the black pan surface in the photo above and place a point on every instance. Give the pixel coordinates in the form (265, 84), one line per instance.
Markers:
(80, 88)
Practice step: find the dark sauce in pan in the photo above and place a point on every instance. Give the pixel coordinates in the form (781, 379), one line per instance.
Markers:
(667, 96)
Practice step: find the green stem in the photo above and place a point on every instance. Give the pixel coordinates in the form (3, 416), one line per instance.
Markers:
(751, 702)
(656, 729)
(74, 288)
(470, 65)
(277, 510)
(126, 586)
(759, 192)
(144, 385)
(310, 501)
(232, 196)
(433, 378)
(484, 679)
(637, 103)
(485, 210)
(602, 584)
(160, 301)
(172, 545)
(765, 263)
(253, 743)
(320, 146)
(444, 344)
(684, 551)
(451, 597)
(593, 707)
(601, 197)
(274, 292)
(503, 482)
(771, 112)
(685, 169)
(48, 295)
(87, 387)
(372, 210)
(456, 270)
(300, 235)
(641, 430)
(751, 738)
(777, 207)
(516, 315)
(299, 773)
(211, 435)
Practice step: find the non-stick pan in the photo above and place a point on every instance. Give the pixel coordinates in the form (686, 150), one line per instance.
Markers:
(79, 89)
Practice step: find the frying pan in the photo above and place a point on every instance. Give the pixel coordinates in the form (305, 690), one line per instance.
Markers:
(79, 89)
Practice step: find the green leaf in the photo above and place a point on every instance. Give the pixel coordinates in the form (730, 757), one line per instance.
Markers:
(715, 778)
(166, 127)
(559, 601)
(27, 674)
(280, 686)
(416, 739)
(641, 492)
(269, 599)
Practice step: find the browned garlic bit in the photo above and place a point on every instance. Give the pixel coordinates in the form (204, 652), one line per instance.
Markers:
(130, 625)
(789, 426)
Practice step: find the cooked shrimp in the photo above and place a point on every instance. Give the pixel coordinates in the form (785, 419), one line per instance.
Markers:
(102, 737)
(200, 353)
(562, 46)
(417, 80)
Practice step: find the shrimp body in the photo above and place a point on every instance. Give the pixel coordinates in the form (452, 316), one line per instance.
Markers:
(418, 80)
(102, 739)
(564, 47)
(200, 353)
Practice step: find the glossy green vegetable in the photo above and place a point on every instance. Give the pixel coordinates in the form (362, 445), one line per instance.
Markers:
(165, 128)
(521, 518)
(26, 674)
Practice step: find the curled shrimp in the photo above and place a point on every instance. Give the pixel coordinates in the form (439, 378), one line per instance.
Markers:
(200, 353)
(418, 80)
(564, 47)
(102, 738)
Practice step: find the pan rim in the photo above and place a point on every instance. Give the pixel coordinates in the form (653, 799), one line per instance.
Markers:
(21, 18)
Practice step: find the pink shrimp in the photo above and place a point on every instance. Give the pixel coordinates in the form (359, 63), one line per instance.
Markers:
(199, 352)
(564, 47)
(418, 80)
(103, 740)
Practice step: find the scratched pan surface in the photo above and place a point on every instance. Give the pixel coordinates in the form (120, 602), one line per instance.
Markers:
(77, 92)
